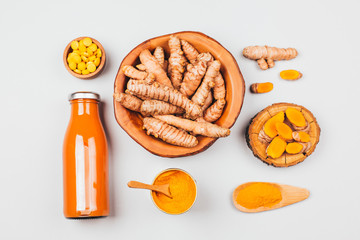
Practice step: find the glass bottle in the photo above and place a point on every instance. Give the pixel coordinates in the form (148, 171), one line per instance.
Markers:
(85, 160)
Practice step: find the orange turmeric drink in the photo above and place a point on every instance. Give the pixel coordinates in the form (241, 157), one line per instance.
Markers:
(182, 188)
(85, 160)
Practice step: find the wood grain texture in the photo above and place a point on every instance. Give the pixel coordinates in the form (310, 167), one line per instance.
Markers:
(90, 75)
(131, 122)
(259, 149)
(164, 189)
(290, 195)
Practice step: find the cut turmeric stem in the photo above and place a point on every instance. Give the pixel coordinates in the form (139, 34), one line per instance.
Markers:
(128, 101)
(169, 134)
(190, 52)
(153, 66)
(276, 148)
(261, 87)
(301, 136)
(197, 128)
(261, 53)
(208, 82)
(219, 88)
(177, 61)
(284, 131)
(290, 74)
(270, 125)
(155, 107)
(159, 92)
(192, 78)
(133, 73)
(295, 117)
(294, 148)
(214, 112)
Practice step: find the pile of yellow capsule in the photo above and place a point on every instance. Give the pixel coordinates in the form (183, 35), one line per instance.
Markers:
(85, 57)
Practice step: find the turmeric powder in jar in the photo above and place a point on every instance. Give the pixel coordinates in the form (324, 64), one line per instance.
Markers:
(259, 194)
(182, 188)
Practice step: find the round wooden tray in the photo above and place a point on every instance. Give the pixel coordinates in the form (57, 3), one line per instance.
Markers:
(259, 148)
(131, 122)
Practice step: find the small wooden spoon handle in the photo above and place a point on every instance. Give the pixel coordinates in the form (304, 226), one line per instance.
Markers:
(135, 184)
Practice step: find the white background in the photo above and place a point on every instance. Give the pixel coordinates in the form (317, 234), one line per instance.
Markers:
(35, 112)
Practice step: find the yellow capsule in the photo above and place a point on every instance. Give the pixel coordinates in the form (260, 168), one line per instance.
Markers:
(74, 45)
(72, 54)
(85, 59)
(72, 65)
(76, 58)
(88, 50)
(81, 66)
(86, 54)
(97, 61)
(91, 67)
(85, 71)
(92, 58)
(77, 71)
(82, 48)
(93, 47)
(81, 43)
(77, 52)
(87, 41)
(98, 53)
(70, 59)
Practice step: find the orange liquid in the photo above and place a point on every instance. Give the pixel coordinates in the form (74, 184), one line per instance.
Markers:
(85, 162)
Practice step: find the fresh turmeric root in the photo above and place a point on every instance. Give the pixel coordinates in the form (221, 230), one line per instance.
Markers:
(158, 92)
(133, 73)
(219, 88)
(296, 118)
(208, 82)
(153, 66)
(197, 128)
(177, 61)
(169, 134)
(290, 75)
(190, 52)
(206, 57)
(261, 87)
(159, 55)
(155, 107)
(207, 103)
(214, 112)
(192, 78)
(141, 67)
(128, 101)
(276, 148)
(269, 54)
(270, 125)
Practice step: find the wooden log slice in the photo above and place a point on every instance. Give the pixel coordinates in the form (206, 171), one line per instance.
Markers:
(259, 148)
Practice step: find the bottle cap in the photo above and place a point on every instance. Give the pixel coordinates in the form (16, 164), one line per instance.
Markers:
(84, 95)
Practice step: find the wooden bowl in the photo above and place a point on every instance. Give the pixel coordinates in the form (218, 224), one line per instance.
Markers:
(90, 75)
(259, 148)
(131, 122)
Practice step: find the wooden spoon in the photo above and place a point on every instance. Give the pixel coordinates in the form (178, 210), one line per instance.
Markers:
(164, 189)
(290, 195)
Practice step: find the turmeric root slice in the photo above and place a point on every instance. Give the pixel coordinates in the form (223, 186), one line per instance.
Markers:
(208, 82)
(219, 88)
(169, 134)
(177, 61)
(214, 112)
(296, 147)
(270, 125)
(133, 73)
(301, 136)
(159, 92)
(261, 87)
(155, 107)
(128, 101)
(153, 66)
(276, 148)
(190, 52)
(290, 75)
(192, 78)
(296, 117)
(284, 131)
(197, 128)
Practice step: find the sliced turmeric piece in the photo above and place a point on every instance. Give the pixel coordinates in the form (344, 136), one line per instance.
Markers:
(284, 131)
(294, 148)
(270, 125)
(295, 117)
(276, 148)
(290, 75)
(301, 136)
(167, 133)
(261, 87)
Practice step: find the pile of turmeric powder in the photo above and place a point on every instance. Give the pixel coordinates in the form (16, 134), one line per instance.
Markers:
(182, 188)
(179, 97)
(259, 194)
(286, 132)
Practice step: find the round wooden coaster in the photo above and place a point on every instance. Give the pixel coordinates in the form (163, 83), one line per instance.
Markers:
(259, 148)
